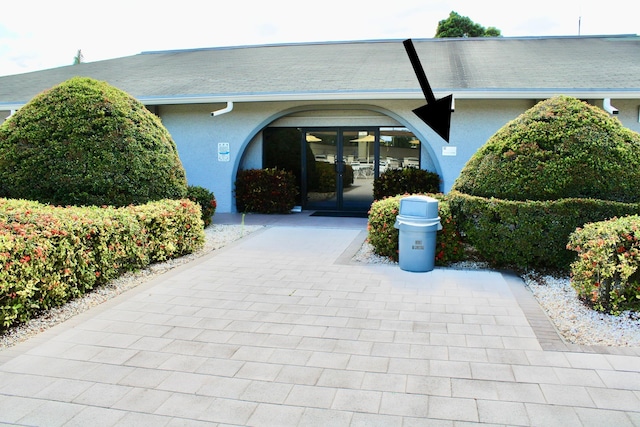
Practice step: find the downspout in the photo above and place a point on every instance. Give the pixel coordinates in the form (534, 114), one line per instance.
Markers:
(224, 110)
(606, 104)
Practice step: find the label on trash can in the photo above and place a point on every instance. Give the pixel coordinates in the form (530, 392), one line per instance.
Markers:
(418, 245)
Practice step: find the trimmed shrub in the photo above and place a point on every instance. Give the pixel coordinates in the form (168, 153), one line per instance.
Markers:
(85, 142)
(383, 236)
(528, 234)
(606, 275)
(49, 255)
(560, 148)
(175, 227)
(265, 191)
(405, 181)
(205, 199)
(575, 163)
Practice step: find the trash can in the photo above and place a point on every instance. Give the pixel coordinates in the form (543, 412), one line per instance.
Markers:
(418, 223)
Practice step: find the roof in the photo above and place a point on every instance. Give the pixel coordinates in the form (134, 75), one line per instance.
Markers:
(521, 67)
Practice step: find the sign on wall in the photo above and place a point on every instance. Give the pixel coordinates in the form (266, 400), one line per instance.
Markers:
(223, 151)
(449, 151)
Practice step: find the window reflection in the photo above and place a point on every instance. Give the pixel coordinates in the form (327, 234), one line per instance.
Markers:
(399, 148)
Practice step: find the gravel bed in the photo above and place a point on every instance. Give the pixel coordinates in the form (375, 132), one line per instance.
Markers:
(575, 322)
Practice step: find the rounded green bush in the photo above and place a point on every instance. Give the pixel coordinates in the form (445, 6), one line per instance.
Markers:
(560, 148)
(560, 164)
(85, 142)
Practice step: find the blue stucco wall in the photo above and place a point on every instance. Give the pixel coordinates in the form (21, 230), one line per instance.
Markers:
(197, 134)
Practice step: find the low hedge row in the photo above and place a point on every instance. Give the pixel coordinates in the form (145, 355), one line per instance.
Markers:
(49, 255)
(528, 234)
(605, 274)
(383, 236)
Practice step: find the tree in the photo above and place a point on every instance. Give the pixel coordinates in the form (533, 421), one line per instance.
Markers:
(79, 58)
(462, 26)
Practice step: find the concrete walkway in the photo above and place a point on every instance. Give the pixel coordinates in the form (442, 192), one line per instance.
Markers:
(282, 328)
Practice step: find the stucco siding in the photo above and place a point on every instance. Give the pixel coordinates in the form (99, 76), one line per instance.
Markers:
(197, 134)
(628, 112)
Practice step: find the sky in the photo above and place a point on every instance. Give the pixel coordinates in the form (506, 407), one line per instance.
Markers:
(42, 34)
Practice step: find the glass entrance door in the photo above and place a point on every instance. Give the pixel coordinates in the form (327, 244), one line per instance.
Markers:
(340, 166)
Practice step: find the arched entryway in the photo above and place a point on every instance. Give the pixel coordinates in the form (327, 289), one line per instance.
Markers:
(336, 166)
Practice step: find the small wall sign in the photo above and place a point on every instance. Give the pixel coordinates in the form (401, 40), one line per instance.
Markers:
(223, 151)
(449, 151)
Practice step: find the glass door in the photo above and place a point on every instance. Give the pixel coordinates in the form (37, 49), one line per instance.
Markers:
(360, 152)
(324, 169)
(340, 168)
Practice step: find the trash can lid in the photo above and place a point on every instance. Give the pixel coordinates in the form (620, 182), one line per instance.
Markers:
(419, 206)
(411, 222)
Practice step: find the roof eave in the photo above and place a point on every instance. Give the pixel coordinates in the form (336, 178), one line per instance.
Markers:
(395, 95)
(633, 93)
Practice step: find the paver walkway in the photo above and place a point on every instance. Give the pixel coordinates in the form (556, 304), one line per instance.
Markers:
(281, 328)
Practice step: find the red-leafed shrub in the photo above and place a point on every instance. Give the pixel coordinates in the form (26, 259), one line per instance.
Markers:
(266, 191)
(383, 236)
(606, 275)
(205, 199)
(49, 255)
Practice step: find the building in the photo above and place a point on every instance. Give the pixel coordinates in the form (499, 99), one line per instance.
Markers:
(340, 113)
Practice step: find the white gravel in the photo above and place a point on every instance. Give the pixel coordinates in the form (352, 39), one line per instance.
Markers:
(575, 322)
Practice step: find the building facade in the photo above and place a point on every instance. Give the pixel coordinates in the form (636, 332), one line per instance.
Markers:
(339, 114)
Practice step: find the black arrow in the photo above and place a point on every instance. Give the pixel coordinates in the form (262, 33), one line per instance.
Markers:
(437, 113)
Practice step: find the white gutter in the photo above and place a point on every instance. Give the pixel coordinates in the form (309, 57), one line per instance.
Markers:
(224, 110)
(385, 95)
(375, 95)
(606, 104)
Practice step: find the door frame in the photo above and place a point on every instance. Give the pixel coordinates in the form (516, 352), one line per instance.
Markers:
(339, 204)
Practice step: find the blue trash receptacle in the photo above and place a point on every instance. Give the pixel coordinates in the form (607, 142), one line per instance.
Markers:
(418, 224)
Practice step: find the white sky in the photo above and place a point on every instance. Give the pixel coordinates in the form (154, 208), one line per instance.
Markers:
(40, 34)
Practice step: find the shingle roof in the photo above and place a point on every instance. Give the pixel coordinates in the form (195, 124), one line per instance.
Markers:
(472, 68)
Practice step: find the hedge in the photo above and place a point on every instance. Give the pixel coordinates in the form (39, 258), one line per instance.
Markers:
(49, 255)
(267, 191)
(383, 236)
(528, 234)
(405, 181)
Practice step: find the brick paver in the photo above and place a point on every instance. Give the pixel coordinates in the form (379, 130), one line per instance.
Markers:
(281, 328)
